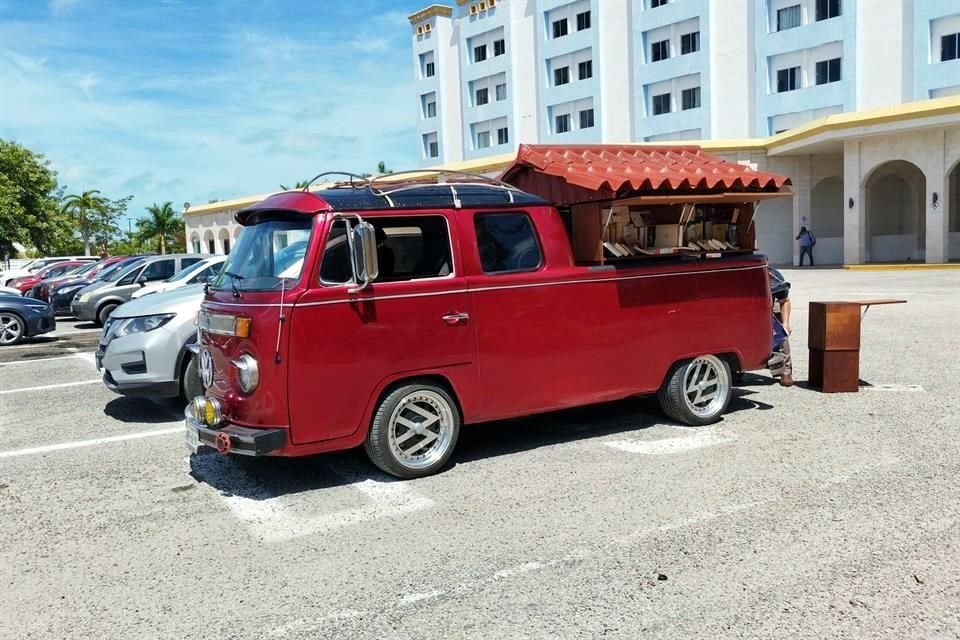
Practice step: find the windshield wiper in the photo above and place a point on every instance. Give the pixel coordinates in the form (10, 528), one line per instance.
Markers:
(234, 278)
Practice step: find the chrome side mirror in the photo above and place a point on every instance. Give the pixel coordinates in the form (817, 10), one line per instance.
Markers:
(363, 255)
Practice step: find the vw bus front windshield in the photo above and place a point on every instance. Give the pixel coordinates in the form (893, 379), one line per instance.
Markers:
(268, 255)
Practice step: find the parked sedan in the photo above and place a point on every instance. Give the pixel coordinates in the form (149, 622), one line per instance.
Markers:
(145, 346)
(41, 290)
(197, 273)
(23, 318)
(62, 294)
(25, 283)
(97, 301)
(36, 265)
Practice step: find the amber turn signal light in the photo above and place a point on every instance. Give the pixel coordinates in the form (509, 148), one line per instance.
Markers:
(242, 326)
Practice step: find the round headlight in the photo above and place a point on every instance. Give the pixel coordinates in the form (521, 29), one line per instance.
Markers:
(207, 411)
(247, 372)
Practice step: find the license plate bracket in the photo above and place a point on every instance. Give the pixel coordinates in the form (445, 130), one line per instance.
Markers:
(193, 438)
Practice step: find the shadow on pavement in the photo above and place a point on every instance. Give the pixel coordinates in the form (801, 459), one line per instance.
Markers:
(144, 410)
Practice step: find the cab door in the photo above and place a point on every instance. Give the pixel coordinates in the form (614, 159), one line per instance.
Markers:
(413, 319)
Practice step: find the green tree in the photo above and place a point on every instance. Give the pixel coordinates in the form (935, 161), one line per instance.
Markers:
(163, 226)
(104, 224)
(299, 185)
(28, 203)
(83, 209)
(382, 168)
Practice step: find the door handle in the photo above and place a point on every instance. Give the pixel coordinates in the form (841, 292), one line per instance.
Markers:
(453, 319)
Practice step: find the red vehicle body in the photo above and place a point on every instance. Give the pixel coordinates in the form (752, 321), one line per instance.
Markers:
(25, 283)
(332, 357)
(41, 290)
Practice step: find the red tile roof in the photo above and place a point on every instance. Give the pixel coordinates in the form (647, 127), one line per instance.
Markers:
(597, 172)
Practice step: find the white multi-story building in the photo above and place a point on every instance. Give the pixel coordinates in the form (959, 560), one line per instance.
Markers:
(858, 101)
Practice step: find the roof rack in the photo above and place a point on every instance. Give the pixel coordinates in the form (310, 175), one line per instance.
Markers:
(364, 181)
(474, 179)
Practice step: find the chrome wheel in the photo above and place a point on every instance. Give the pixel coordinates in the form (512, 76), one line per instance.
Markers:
(11, 328)
(706, 386)
(421, 429)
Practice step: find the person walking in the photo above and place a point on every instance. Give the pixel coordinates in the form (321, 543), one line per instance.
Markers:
(807, 242)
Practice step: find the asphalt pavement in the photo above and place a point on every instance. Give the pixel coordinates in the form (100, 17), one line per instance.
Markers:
(799, 515)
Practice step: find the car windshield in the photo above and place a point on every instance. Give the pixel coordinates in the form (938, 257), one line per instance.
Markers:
(79, 271)
(122, 270)
(268, 255)
(189, 271)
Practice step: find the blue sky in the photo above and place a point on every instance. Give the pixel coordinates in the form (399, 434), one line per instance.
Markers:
(190, 100)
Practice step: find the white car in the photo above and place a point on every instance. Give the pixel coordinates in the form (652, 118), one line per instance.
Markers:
(35, 265)
(197, 273)
(10, 291)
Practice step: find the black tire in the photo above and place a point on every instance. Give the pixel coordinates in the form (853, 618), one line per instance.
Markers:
(190, 383)
(384, 446)
(104, 312)
(17, 332)
(682, 381)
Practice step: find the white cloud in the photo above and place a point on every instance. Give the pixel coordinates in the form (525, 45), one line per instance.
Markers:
(62, 7)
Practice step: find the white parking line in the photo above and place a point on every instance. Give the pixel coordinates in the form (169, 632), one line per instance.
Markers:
(78, 444)
(666, 446)
(50, 386)
(85, 356)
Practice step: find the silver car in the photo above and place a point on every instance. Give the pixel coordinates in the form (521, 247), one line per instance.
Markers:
(145, 346)
(97, 301)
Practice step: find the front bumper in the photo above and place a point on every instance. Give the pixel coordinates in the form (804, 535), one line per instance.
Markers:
(140, 364)
(39, 322)
(83, 310)
(231, 438)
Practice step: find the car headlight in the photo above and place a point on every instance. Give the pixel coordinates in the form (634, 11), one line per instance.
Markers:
(142, 324)
(67, 290)
(247, 372)
(85, 297)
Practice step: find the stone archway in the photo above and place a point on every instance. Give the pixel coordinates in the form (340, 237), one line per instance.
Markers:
(209, 244)
(225, 241)
(195, 243)
(951, 202)
(895, 216)
(826, 220)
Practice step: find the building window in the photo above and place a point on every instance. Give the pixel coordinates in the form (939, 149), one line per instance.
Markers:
(480, 53)
(657, 3)
(503, 136)
(583, 21)
(500, 91)
(483, 139)
(481, 97)
(828, 71)
(661, 104)
(659, 50)
(499, 47)
(431, 149)
(788, 18)
(560, 28)
(689, 43)
(561, 76)
(431, 109)
(431, 70)
(827, 9)
(950, 47)
(585, 70)
(562, 123)
(226, 246)
(788, 79)
(434, 150)
(690, 98)
(212, 245)
(586, 118)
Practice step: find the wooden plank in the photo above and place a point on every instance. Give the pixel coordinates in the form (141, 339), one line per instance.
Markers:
(834, 326)
(704, 198)
(586, 229)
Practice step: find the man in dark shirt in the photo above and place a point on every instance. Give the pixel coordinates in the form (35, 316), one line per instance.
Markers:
(780, 364)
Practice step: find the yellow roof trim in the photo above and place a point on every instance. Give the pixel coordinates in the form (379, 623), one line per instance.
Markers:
(441, 10)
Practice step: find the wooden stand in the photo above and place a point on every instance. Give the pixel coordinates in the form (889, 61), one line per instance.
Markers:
(834, 342)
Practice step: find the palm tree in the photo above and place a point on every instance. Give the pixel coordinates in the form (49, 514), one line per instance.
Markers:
(80, 207)
(299, 185)
(161, 225)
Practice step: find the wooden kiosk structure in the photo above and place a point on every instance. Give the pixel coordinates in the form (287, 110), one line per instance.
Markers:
(629, 202)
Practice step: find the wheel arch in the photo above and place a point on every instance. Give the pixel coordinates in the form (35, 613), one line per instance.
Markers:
(387, 386)
(730, 356)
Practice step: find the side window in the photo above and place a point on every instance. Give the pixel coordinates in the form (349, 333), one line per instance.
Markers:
(408, 248)
(130, 278)
(159, 270)
(186, 262)
(507, 242)
(203, 274)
